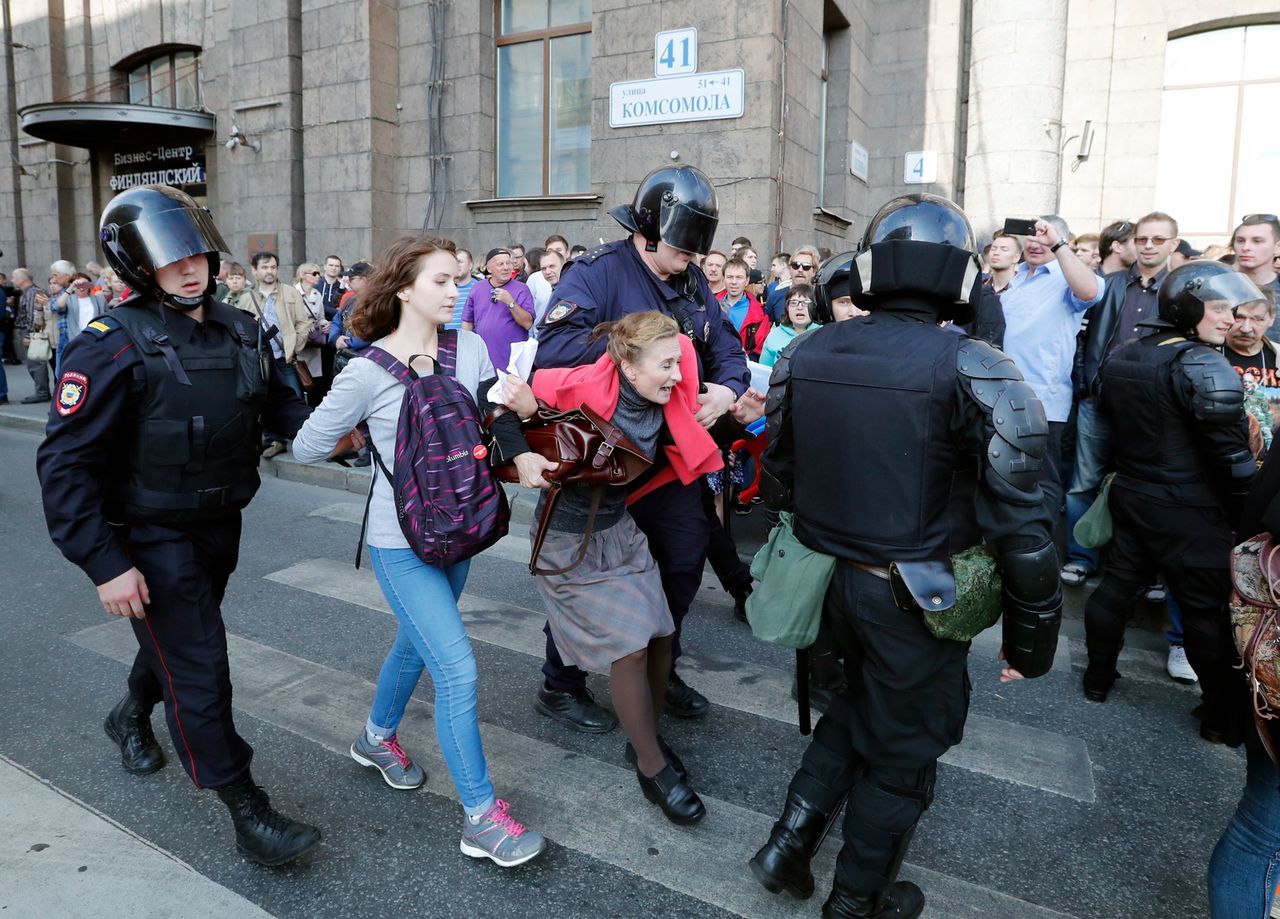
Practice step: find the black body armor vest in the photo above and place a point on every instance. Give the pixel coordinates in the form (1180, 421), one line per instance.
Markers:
(193, 450)
(1155, 438)
(888, 496)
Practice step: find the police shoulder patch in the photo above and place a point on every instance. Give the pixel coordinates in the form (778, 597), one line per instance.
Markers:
(73, 390)
(560, 312)
(102, 327)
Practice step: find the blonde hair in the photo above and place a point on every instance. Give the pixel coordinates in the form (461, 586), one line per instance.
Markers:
(630, 335)
(303, 269)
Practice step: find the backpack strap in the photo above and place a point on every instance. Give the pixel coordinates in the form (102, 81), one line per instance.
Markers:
(387, 362)
(447, 348)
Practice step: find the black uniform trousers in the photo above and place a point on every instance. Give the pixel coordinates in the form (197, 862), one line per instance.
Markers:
(722, 552)
(182, 643)
(1190, 547)
(880, 739)
(672, 519)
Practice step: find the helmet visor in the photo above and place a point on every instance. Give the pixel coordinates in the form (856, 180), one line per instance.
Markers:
(1236, 289)
(162, 238)
(685, 228)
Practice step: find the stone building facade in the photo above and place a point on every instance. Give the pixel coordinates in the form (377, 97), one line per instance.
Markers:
(319, 126)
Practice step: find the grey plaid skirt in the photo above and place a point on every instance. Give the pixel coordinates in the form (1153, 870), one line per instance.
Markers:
(609, 606)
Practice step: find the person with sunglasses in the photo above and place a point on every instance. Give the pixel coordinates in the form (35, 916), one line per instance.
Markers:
(1130, 299)
(1256, 244)
(306, 281)
(796, 319)
(804, 267)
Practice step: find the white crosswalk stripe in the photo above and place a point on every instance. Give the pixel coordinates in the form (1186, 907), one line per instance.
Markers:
(1041, 759)
(611, 822)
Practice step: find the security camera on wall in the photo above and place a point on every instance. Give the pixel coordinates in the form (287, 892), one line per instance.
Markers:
(238, 139)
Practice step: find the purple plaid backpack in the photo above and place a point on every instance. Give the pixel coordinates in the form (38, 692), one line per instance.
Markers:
(449, 503)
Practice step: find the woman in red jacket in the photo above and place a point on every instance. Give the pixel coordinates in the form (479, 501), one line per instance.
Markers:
(610, 611)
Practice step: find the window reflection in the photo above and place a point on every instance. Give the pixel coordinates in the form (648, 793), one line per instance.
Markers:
(544, 97)
(171, 80)
(1227, 84)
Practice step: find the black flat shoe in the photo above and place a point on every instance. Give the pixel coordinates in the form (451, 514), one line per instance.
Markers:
(678, 801)
(900, 900)
(129, 727)
(672, 760)
(578, 709)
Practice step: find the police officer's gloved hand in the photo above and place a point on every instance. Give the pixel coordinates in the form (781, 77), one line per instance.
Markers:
(1031, 633)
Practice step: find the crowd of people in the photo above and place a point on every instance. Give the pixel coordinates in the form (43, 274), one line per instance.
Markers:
(660, 332)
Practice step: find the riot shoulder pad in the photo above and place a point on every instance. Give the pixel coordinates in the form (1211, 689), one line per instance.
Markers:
(1015, 453)
(1217, 395)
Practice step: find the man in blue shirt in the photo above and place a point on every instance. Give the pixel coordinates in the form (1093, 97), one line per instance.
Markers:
(464, 280)
(1043, 306)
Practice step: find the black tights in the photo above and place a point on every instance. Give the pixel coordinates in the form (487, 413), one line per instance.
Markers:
(638, 684)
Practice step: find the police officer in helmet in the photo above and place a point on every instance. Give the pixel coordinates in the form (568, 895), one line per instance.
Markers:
(150, 454)
(673, 217)
(942, 453)
(1183, 470)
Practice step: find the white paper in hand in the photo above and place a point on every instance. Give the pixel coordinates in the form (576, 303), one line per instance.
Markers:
(522, 354)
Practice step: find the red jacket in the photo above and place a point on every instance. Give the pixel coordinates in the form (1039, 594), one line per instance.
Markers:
(596, 385)
(755, 328)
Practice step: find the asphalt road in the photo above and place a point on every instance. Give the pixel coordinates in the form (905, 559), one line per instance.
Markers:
(1051, 807)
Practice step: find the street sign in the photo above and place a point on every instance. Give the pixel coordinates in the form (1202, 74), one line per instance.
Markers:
(675, 52)
(920, 167)
(669, 100)
(859, 161)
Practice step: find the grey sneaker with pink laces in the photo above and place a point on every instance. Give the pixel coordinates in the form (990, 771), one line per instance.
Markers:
(389, 758)
(498, 837)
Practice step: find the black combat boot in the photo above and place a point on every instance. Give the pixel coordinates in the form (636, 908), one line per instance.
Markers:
(783, 862)
(900, 900)
(262, 834)
(129, 726)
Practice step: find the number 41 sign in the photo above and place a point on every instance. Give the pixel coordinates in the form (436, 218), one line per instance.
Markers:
(675, 53)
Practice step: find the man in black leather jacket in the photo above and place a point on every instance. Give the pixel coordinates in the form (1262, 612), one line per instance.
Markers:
(940, 452)
(1183, 468)
(1129, 298)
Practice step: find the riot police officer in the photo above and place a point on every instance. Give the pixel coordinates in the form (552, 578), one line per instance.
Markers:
(1183, 470)
(150, 454)
(940, 453)
(673, 217)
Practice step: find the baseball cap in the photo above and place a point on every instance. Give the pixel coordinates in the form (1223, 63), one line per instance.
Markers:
(358, 270)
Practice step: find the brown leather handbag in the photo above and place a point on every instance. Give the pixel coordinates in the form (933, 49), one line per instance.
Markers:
(587, 450)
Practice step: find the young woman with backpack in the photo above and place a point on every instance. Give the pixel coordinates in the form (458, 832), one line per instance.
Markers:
(609, 611)
(402, 310)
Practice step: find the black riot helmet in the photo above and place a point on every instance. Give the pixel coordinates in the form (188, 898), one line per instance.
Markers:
(150, 226)
(675, 205)
(920, 245)
(1186, 290)
(836, 278)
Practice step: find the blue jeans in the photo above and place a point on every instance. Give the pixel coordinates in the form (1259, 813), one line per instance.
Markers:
(1245, 864)
(1093, 462)
(425, 601)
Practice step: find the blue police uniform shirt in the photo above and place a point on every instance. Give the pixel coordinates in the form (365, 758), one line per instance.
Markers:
(611, 281)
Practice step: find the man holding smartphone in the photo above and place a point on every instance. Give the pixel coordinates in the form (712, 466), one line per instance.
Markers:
(1043, 306)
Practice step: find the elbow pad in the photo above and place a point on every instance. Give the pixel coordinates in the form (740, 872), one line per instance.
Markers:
(1032, 608)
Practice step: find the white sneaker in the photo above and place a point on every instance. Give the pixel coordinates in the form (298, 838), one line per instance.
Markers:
(1178, 666)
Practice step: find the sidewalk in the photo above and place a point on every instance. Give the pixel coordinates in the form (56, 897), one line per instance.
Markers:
(61, 859)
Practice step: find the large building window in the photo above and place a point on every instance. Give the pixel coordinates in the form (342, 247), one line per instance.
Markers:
(1219, 146)
(171, 79)
(544, 97)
